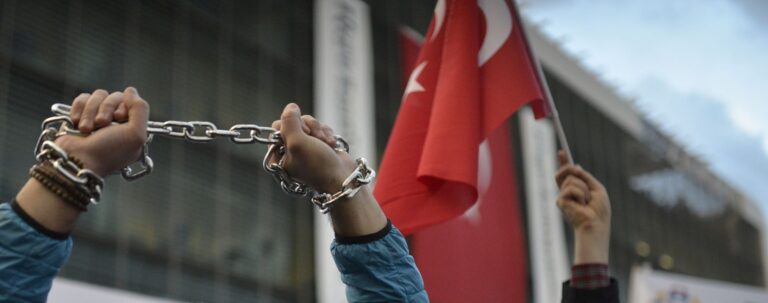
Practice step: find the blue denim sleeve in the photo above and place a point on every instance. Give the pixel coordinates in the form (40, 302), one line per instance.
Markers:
(29, 260)
(381, 270)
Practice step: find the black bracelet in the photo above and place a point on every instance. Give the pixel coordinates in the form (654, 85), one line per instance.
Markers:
(366, 238)
(36, 225)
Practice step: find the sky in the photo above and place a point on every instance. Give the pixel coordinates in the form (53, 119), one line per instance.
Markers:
(696, 68)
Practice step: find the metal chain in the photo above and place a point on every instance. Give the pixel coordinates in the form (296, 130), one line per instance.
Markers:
(195, 131)
(85, 179)
(361, 176)
(203, 132)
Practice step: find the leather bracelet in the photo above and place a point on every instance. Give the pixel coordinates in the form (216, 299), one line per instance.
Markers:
(67, 190)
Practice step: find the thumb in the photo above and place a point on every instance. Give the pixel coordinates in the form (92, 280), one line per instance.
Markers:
(138, 110)
(290, 122)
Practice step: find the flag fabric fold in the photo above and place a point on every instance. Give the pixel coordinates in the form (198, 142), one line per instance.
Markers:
(473, 72)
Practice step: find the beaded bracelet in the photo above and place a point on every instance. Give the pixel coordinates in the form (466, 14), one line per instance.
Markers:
(67, 190)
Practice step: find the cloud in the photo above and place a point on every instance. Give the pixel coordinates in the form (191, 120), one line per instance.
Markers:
(703, 125)
(756, 9)
(712, 49)
(669, 187)
(697, 69)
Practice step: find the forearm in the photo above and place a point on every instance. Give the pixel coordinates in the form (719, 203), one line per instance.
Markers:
(372, 255)
(378, 267)
(358, 216)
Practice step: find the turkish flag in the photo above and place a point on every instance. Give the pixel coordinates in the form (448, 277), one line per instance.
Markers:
(449, 165)
(473, 72)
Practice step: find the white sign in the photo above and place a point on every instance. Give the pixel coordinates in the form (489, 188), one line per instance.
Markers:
(545, 224)
(651, 286)
(344, 100)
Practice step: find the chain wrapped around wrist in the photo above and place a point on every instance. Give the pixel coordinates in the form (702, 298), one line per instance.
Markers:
(82, 182)
(198, 132)
(274, 161)
(361, 176)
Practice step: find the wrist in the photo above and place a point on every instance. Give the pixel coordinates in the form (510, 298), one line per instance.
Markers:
(591, 246)
(46, 208)
(346, 165)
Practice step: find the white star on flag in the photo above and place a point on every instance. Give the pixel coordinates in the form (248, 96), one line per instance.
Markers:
(413, 81)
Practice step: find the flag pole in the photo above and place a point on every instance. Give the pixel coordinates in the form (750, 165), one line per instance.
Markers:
(545, 86)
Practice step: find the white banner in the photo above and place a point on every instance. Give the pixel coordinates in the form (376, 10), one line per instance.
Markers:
(67, 291)
(545, 224)
(344, 100)
(652, 286)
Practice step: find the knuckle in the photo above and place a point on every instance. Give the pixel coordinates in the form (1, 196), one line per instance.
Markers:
(140, 103)
(80, 100)
(101, 92)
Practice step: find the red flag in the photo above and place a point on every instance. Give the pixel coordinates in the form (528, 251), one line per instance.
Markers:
(473, 72)
(480, 256)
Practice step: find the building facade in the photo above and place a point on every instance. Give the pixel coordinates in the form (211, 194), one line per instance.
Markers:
(209, 225)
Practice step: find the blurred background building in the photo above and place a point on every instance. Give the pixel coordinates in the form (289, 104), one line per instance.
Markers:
(209, 225)
(669, 209)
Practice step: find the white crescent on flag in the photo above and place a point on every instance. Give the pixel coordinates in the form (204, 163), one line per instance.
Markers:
(439, 17)
(484, 174)
(498, 27)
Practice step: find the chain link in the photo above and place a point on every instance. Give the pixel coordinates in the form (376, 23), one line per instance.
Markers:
(203, 132)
